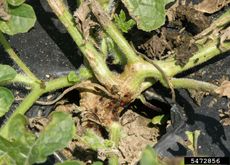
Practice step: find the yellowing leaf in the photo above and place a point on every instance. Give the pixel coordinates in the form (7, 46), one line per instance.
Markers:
(224, 89)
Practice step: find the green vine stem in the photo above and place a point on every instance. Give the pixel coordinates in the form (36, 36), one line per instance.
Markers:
(25, 80)
(20, 79)
(204, 54)
(193, 84)
(38, 90)
(15, 58)
(170, 68)
(113, 32)
(95, 58)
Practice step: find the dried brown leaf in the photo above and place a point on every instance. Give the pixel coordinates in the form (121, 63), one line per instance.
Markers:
(211, 6)
(225, 35)
(224, 89)
(205, 6)
(83, 19)
(3, 11)
(82, 12)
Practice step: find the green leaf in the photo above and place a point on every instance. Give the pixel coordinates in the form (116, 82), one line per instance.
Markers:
(26, 149)
(6, 159)
(15, 2)
(6, 150)
(160, 119)
(72, 77)
(6, 99)
(113, 160)
(149, 14)
(22, 19)
(149, 157)
(56, 136)
(71, 162)
(7, 73)
(94, 141)
(18, 131)
(121, 22)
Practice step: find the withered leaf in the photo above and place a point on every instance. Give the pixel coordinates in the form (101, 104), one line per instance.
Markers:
(224, 89)
(83, 19)
(225, 35)
(205, 6)
(211, 6)
(3, 11)
(82, 12)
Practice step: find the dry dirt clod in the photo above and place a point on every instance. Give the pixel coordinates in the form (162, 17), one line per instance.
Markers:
(156, 47)
(169, 42)
(195, 20)
(224, 89)
(136, 135)
(197, 96)
(225, 117)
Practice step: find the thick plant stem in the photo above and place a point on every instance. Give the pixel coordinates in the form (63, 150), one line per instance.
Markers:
(204, 54)
(170, 68)
(15, 58)
(113, 32)
(193, 84)
(95, 58)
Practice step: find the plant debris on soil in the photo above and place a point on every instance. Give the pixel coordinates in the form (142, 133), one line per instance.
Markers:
(177, 36)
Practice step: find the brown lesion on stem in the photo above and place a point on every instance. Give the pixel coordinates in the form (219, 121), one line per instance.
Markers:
(102, 16)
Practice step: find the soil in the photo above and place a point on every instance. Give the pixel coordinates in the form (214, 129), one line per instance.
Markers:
(177, 36)
(50, 52)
